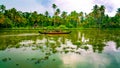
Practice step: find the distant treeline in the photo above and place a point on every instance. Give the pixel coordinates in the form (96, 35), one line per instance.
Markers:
(11, 18)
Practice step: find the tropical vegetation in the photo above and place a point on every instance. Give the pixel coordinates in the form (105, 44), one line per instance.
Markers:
(12, 18)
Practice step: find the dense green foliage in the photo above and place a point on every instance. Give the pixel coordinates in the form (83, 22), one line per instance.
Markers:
(11, 18)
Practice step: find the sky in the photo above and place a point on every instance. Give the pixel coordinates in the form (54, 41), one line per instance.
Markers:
(64, 5)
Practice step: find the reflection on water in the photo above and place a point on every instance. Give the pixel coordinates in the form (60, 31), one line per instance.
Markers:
(80, 49)
(27, 34)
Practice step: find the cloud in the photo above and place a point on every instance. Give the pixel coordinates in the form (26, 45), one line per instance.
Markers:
(87, 5)
(65, 5)
(110, 5)
(24, 5)
(44, 2)
(78, 5)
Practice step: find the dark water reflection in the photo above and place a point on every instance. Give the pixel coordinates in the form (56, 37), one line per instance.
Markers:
(80, 49)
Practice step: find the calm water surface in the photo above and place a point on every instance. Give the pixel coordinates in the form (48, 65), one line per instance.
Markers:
(80, 49)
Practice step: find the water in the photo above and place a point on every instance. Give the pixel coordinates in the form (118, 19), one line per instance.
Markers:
(80, 49)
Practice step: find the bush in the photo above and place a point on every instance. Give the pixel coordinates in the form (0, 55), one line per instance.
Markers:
(62, 27)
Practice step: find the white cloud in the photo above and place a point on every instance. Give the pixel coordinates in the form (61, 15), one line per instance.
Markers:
(64, 5)
(24, 5)
(111, 5)
(87, 5)
(78, 5)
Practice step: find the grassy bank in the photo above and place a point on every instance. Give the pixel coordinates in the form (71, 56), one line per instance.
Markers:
(54, 28)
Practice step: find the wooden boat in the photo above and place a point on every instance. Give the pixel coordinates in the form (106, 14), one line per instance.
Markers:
(54, 32)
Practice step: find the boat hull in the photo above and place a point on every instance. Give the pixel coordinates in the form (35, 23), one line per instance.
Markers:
(54, 32)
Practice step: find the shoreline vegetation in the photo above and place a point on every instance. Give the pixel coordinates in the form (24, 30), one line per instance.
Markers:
(54, 29)
(97, 19)
(47, 29)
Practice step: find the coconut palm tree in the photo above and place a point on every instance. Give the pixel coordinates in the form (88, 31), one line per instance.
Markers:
(102, 12)
(54, 7)
(57, 12)
(96, 14)
(2, 8)
(118, 11)
(117, 17)
(102, 9)
(46, 13)
(64, 14)
(95, 11)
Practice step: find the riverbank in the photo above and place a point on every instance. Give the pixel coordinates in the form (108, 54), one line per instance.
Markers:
(59, 28)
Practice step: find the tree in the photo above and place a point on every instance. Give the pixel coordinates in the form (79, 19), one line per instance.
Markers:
(54, 7)
(102, 10)
(74, 18)
(64, 14)
(57, 12)
(46, 13)
(2, 8)
(81, 17)
(97, 18)
(118, 11)
(98, 14)
(2, 18)
(102, 14)
(117, 18)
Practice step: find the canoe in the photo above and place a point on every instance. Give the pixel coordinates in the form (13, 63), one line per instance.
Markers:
(54, 32)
